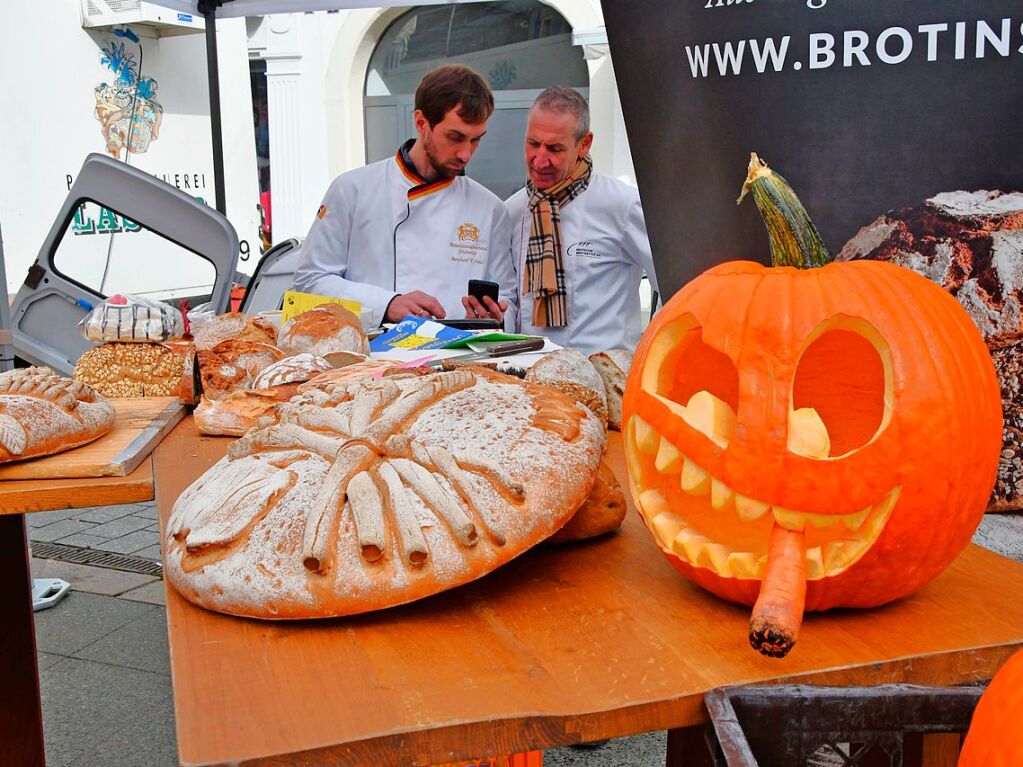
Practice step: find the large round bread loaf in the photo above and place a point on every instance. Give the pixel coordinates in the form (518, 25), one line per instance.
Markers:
(373, 494)
(43, 413)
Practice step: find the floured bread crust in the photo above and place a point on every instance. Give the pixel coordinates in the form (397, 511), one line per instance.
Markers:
(233, 365)
(367, 495)
(235, 326)
(323, 329)
(43, 413)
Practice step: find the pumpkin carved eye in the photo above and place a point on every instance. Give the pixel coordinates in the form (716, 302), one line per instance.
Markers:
(839, 391)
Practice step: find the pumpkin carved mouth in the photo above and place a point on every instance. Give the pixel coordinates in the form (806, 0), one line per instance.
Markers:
(679, 517)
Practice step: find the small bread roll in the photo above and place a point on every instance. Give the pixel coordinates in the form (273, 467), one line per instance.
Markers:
(570, 372)
(327, 328)
(601, 512)
(613, 367)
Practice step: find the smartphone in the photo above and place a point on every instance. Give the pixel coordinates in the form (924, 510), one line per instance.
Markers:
(480, 288)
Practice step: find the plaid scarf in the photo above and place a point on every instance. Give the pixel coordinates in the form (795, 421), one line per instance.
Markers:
(545, 266)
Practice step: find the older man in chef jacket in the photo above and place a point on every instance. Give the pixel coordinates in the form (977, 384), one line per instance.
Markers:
(579, 242)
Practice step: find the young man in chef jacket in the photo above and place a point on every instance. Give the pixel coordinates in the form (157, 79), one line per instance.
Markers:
(579, 241)
(405, 235)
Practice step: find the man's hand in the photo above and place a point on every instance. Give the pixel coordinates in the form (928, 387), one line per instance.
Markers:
(417, 303)
(474, 309)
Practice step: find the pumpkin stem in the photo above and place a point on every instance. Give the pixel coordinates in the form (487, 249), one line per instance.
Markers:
(778, 613)
(794, 238)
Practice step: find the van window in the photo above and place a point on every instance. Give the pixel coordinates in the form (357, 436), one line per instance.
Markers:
(109, 253)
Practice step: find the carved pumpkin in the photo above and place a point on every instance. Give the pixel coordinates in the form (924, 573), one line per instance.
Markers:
(993, 739)
(830, 433)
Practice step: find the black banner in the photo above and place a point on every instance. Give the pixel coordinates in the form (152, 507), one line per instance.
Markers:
(863, 105)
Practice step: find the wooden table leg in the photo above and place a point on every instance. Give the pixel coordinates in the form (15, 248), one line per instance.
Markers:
(687, 747)
(21, 714)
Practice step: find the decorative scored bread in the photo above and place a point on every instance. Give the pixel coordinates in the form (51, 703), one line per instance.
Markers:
(324, 329)
(236, 326)
(613, 367)
(373, 494)
(291, 370)
(43, 413)
(570, 372)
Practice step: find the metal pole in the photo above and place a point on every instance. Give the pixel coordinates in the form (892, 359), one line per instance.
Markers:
(6, 340)
(209, 11)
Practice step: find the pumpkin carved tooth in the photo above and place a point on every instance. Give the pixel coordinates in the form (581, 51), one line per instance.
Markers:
(694, 480)
(790, 520)
(669, 458)
(808, 436)
(647, 438)
(743, 564)
(838, 555)
(749, 509)
(688, 543)
(855, 521)
(710, 415)
(814, 563)
(821, 520)
(652, 503)
(715, 556)
(667, 526)
(721, 495)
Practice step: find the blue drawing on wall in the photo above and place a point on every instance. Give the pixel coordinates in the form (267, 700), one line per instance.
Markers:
(128, 112)
(502, 75)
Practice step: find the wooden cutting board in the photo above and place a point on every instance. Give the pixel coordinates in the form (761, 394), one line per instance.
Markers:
(140, 425)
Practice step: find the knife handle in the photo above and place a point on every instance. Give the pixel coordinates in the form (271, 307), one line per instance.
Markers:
(516, 347)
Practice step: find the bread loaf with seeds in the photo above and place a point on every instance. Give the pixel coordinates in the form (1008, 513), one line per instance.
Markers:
(42, 413)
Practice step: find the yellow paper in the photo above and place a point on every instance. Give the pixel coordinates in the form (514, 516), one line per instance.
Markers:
(296, 303)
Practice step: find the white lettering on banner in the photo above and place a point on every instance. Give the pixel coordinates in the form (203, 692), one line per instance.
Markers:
(893, 46)
(812, 4)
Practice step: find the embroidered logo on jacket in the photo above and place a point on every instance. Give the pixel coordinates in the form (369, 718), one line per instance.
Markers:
(468, 233)
(321, 212)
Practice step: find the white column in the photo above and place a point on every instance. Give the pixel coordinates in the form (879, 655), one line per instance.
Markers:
(284, 112)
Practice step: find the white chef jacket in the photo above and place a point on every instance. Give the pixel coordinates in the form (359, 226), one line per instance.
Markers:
(383, 230)
(605, 253)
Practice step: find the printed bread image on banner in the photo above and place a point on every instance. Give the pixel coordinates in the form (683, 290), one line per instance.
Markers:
(898, 123)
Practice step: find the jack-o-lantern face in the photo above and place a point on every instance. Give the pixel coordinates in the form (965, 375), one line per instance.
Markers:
(853, 402)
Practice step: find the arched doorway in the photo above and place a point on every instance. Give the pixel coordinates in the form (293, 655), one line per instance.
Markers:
(519, 46)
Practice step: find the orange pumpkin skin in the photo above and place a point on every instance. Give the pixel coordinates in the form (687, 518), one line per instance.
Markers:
(925, 421)
(993, 739)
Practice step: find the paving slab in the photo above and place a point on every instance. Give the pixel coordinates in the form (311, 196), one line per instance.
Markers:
(116, 528)
(153, 553)
(97, 714)
(129, 544)
(80, 619)
(648, 749)
(151, 593)
(46, 659)
(43, 518)
(101, 514)
(57, 530)
(83, 540)
(91, 580)
(141, 645)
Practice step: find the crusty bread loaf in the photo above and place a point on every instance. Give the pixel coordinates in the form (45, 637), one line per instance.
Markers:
(349, 374)
(342, 359)
(235, 326)
(233, 365)
(131, 370)
(324, 329)
(43, 413)
(364, 496)
(601, 512)
(285, 376)
(570, 372)
(613, 368)
(970, 243)
(236, 413)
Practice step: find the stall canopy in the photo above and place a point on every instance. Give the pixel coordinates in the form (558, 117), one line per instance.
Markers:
(211, 10)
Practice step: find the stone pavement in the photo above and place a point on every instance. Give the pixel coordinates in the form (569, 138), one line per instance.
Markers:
(103, 658)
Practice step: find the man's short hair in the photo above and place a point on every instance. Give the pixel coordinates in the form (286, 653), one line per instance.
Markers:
(454, 86)
(561, 99)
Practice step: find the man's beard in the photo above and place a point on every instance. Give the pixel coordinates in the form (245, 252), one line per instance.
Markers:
(439, 169)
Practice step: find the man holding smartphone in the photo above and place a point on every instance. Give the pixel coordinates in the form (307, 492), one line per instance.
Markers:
(579, 242)
(405, 235)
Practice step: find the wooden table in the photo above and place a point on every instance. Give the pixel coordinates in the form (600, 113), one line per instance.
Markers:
(563, 645)
(21, 720)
